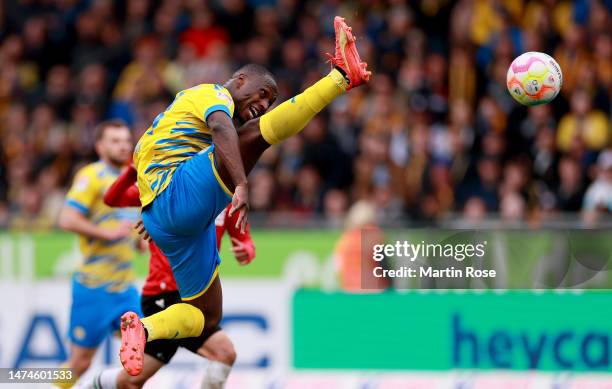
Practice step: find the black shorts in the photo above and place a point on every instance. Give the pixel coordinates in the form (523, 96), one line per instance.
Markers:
(164, 349)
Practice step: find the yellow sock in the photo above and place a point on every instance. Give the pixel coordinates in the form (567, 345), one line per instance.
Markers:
(175, 322)
(291, 116)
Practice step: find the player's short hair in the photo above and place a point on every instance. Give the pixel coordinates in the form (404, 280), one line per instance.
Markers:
(103, 126)
(254, 69)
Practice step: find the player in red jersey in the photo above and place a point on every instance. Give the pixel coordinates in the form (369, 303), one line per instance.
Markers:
(160, 291)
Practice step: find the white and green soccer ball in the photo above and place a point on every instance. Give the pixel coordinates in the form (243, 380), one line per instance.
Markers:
(534, 78)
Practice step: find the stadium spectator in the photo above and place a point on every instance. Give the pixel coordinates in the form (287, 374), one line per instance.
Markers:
(435, 134)
(598, 197)
(203, 34)
(583, 126)
(474, 212)
(571, 187)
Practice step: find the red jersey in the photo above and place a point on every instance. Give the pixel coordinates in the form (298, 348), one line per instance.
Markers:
(124, 193)
(160, 278)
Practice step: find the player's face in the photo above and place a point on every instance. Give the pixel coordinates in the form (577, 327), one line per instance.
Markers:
(115, 145)
(254, 96)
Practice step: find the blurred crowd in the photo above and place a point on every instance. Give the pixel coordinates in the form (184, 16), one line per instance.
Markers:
(434, 134)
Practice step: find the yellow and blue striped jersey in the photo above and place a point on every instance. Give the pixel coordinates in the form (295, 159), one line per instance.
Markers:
(105, 263)
(177, 134)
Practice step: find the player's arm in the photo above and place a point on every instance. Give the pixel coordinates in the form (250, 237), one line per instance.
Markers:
(73, 220)
(225, 138)
(74, 214)
(243, 246)
(124, 192)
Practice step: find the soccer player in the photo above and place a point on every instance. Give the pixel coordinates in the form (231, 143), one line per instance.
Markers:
(101, 287)
(189, 163)
(160, 291)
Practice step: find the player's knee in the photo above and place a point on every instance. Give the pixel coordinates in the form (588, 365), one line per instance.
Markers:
(196, 326)
(188, 318)
(225, 352)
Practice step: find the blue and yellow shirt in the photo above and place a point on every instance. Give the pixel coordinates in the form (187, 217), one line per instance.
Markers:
(105, 263)
(177, 134)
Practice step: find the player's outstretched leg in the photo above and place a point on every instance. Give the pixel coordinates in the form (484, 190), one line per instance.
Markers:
(290, 117)
(349, 72)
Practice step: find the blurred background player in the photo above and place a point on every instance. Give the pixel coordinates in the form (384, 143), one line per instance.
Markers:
(160, 291)
(360, 234)
(102, 287)
(182, 190)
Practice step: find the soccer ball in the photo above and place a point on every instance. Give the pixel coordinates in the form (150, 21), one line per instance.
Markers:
(534, 78)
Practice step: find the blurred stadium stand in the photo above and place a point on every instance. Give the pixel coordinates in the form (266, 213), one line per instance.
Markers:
(433, 136)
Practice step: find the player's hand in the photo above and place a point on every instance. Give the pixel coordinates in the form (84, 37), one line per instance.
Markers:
(243, 252)
(240, 204)
(121, 231)
(140, 228)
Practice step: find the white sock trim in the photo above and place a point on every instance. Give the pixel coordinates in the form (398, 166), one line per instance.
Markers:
(107, 379)
(216, 374)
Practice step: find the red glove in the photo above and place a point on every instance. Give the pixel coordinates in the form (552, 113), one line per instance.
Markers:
(242, 242)
(243, 250)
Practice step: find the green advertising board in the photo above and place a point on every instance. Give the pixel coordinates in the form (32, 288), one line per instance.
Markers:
(443, 330)
(543, 259)
(46, 250)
